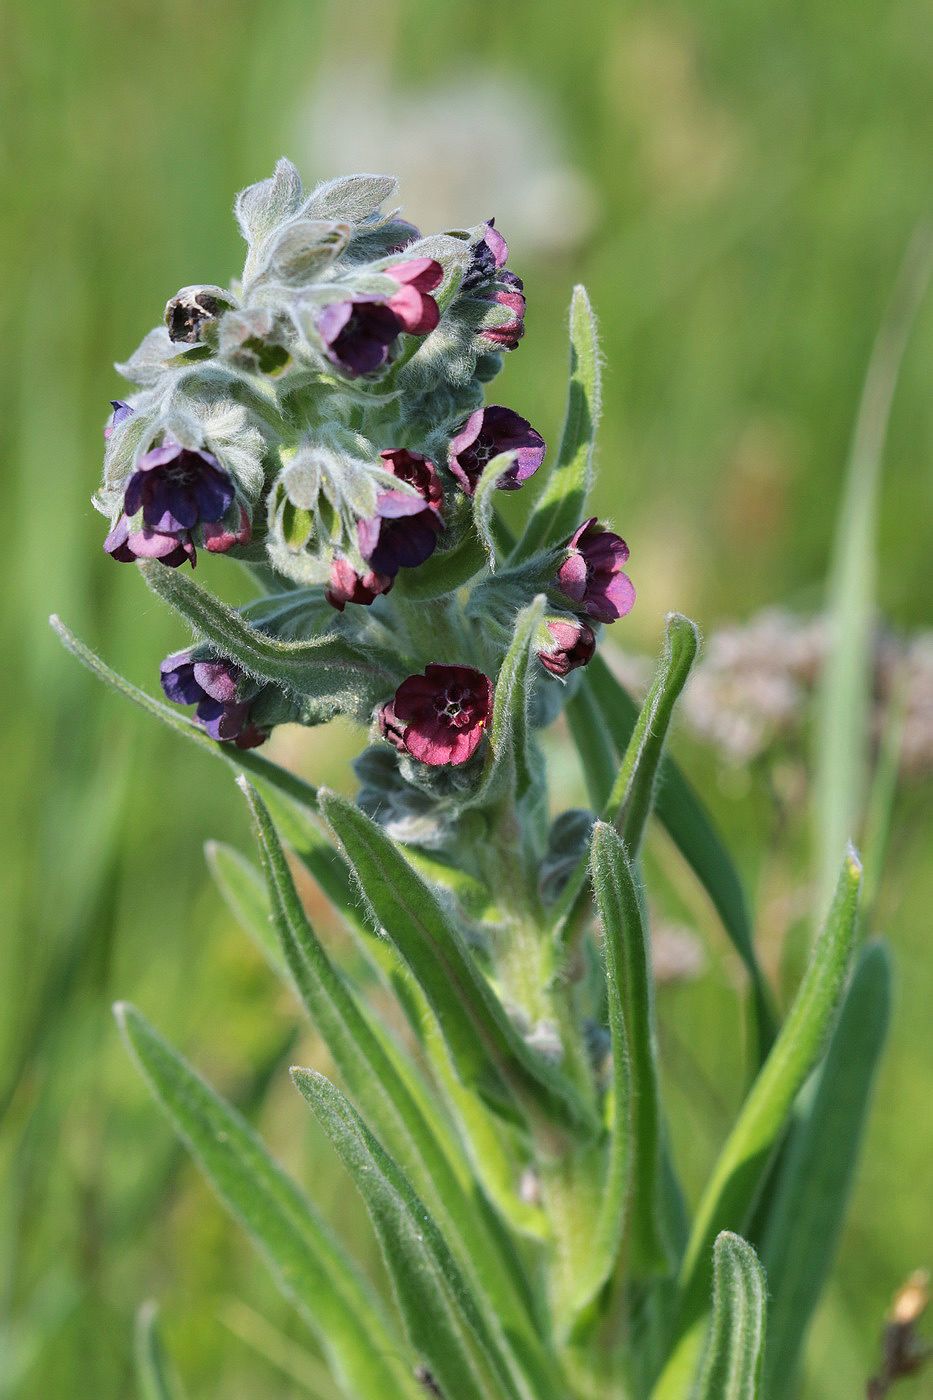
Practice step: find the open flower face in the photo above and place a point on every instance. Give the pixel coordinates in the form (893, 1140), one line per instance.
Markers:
(487, 433)
(591, 576)
(439, 717)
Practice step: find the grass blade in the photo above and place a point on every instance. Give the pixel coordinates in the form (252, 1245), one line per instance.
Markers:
(445, 1326)
(309, 1266)
(841, 730)
(732, 1364)
(562, 503)
(816, 1181)
(731, 1193)
(155, 1374)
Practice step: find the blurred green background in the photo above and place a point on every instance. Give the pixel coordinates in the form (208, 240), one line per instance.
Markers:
(736, 184)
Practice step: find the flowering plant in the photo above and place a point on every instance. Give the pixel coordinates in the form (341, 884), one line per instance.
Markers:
(324, 422)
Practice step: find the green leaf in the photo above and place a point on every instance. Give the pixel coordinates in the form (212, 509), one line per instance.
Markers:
(155, 1375)
(484, 502)
(371, 1071)
(732, 1363)
(687, 822)
(445, 1326)
(445, 571)
(817, 1175)
(261, 768)
(561, 506)
(327, 673)
(310, 1268)
(485, 1047)
(633, 1185)
(629, 802)
(732, 1191)
(512, 763)
(244, 893)
(841, 735)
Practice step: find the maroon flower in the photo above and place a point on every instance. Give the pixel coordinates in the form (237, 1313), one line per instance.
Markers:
(592, 576)
(358, 332)
(574, 643)
(439, 718)
(218, 537)
(347, 586)
(212, 687)
(486, 433)
(488, 279)
(416, 311)
(403, 532)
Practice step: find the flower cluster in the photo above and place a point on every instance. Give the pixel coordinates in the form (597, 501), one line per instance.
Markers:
(324, 421)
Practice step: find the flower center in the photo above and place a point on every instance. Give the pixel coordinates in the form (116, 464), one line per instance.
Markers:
(454, 706)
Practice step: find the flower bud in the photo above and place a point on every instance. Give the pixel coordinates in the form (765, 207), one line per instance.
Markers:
(591, 575)
(189, 310)
(570, 642)
(486, 433)
(213, 685)
(348, 586)
(439, 717)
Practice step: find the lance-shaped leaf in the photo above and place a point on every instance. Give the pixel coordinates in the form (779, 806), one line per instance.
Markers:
(272, 774)
(484, 499)
(244, 892)
(562, 503)
(632, 1193)
(680, 811)
(485, 1047)
(733, 1188)
(309, 1266)
(445, 1326)
(511, 763)
(155, 1375)
(629, 802)
(327, 672)
(371, 1072)
(732, 1363)
(816, 1178)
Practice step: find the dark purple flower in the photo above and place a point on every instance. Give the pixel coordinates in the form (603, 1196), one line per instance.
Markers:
(403, 532)
(592, 576)
(211, 685)
(172, 491)
(440, 717)
(486, 433)
(347, 586)
(358, 332)
(121, 411)
(573, 644)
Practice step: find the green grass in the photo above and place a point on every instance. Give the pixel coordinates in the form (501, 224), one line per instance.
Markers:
(756, 173)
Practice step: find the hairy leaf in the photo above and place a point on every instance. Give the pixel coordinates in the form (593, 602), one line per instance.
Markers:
(446, 1328)
(817, 1175)
(562, 503)
(732, 1191)
(732, 1363)
(308, 1264)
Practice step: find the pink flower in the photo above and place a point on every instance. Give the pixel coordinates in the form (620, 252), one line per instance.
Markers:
(347, 586)
(440, 717)
(486, 433)
(417, 312)
(591, 575)
(574, 643)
